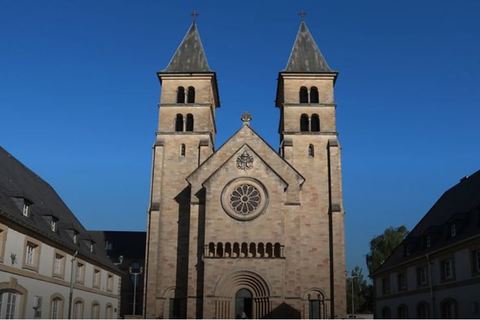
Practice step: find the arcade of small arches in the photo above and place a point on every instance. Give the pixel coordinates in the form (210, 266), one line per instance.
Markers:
(307, 95)
(311, 124)
(266, 250)
(189, 97)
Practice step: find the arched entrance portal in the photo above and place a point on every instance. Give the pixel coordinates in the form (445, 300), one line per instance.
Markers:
(243, 304)
(242, 291)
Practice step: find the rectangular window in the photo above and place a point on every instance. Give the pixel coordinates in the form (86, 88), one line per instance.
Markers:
(59, 265)
(3, 239)
(96, 278)
(110, 282)
(314, 309)
(447, 269)
(422, 276)
(11, 305)
(26, 208)
(385, 286)
(80, 272)
(30, 254)
(402, 281)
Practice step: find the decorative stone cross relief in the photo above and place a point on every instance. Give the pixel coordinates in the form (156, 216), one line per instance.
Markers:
(246, 118)
(244, 161)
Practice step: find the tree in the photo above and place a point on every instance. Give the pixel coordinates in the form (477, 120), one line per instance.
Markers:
(382, 246)
(362, 292)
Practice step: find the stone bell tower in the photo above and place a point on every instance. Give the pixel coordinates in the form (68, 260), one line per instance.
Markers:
(185, 138)
(309, 141)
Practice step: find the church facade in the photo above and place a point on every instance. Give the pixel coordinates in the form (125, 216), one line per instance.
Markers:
(245, 230)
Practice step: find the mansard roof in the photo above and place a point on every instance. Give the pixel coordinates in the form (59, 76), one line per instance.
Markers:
(305, 55)
(190, 55)
(246, 136)
(460, 203)
(17, 182)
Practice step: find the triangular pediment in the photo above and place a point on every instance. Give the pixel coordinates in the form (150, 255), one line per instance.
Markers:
(247, 138)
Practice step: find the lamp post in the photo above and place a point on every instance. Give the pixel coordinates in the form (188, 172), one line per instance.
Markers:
(70, 295)
(135, 275)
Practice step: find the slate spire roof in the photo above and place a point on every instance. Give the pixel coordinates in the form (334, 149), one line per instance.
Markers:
(190, 55)
(305, 55)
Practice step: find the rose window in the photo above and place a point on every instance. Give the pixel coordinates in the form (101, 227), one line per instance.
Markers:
(245, 199)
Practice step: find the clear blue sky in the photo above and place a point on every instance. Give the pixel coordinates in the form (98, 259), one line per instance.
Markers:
(78, 95)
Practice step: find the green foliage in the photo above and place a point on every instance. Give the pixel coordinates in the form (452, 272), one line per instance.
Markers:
(382, 246)
(362, 292)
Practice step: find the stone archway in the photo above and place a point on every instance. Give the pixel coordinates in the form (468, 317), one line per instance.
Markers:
(229, 286)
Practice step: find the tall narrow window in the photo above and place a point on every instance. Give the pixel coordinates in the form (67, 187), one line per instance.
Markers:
(314, 95)
(311, 151)
(181, 95)
(191, 95)
(315, 126)
(304, 122)
(189, 122)
(179, 123)
(110, 282)
(11, 305)
(26, 207)
(56, 307)
(30, 254)
(95, 310)
(303, 95)
(182, 150)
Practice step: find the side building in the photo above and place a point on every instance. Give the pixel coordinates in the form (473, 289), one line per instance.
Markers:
(126, 249)
(435, 271)
(50, 265)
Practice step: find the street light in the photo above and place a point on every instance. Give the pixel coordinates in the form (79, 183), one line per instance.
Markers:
(70, 295)
(135, 274)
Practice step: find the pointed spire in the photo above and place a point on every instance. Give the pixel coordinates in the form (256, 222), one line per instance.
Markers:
(305, 55)
(189, 56)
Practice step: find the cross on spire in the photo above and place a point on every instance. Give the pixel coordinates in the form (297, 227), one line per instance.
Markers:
(302, 14)
(194, 15)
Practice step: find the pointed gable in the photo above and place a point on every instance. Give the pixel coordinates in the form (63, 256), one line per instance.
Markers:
(305, 55)
(246, 137)
(190, 55)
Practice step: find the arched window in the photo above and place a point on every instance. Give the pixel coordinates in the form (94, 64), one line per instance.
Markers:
(181, 95)
(304, 122)
(179, 123)
(277, 250)
(109, 311)
(252, 250)
(236, 250)
(182, 150)
(219, 250)
(303, 95)
(261, 250)
(314, 95)
(386, 313)
(243, 304)
(449, 309)
(228, 249)
(402, 312)
(311, 151)
(244, 250)
(78, 306)
(315, 126)
(10, 305)
(189, 122)
(95, 310)
(423, 310)
(191, 95)
(56, 307)
(269, 250)
(211, 249)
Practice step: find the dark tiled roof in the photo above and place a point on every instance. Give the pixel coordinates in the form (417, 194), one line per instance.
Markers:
(17, 181)
(189, 56)
(305, 55)
(461, 204)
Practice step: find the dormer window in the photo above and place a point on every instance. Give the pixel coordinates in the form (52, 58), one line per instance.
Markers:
(92, 246)
(73, 234)
(26, 208)
(52, 222)
(75, 237)
(53, 225)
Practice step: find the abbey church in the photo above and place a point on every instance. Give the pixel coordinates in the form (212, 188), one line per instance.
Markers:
(243, 230)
